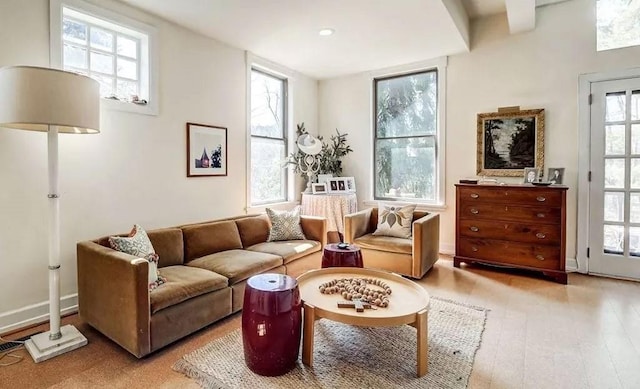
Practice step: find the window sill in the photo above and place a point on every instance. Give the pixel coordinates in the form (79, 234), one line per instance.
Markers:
(420, 207)
(125, 106)
(285, 205)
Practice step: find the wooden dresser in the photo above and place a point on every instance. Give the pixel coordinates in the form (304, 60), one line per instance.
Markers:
(521, 226)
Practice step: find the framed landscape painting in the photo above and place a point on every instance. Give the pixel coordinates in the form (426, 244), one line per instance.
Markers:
(509, 141)
(206, 150)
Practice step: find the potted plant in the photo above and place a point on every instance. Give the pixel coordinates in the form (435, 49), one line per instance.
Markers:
(329, 158)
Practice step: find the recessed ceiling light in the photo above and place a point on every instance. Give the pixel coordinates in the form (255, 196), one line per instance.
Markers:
(326, 31)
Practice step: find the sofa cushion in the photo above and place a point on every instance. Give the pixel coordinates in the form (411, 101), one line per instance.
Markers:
(183, 283)
(385, 243)
(285, 225)
(394, 220)
(237, 265)
(137, 243)
(209, 238)
(168, 245)
(288, 250)
(253, 230)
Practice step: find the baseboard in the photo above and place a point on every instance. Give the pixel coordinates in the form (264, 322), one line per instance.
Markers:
(35, 314)
(571, 265)
(447, 248)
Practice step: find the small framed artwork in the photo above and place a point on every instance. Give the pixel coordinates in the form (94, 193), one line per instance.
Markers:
(324, 177)
(531, 175)
(319, 188)
(206, 150)
(337, 185)
(351, 184)
(555, 175)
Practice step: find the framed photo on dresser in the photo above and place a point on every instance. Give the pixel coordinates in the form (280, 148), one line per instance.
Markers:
(555, 175)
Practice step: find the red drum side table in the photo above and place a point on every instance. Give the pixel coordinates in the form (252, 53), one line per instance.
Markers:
(271, 323)
(333, 256)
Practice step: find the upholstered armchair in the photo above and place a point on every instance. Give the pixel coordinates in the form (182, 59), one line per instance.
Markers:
(411, 257)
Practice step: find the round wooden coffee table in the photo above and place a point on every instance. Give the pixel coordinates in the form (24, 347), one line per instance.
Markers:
(409, 304)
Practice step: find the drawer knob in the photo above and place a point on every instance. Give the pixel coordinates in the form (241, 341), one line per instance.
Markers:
(474, 195)
(474, 248)
(540, 257)
(541, 198)
(541, 215)
(540, 235)
(474, 228)
(474, 211)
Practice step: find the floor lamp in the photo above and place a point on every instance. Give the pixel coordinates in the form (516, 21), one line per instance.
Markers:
(52, 101)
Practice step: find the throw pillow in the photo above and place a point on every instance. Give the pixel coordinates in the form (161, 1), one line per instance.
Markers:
(138, 244)
(395, 221)
(285, 225)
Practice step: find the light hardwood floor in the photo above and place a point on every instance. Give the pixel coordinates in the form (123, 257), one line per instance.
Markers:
(539, 334)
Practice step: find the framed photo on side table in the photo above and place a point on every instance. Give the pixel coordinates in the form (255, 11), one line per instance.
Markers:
(206, 150)
(351, 184)
(319, 188)
(337, 185)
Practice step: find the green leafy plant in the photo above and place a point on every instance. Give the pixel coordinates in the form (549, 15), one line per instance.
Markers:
(330, 156)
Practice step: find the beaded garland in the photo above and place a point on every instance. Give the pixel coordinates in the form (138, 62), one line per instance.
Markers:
(356, 289)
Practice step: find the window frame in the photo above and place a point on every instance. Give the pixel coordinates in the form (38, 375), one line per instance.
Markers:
(597, 35)
(438, 65)
(278, 71)
(284, 132)
(119, 25)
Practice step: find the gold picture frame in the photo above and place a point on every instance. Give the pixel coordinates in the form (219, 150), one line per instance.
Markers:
(497, 155)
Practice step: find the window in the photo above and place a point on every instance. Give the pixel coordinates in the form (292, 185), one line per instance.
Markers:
(268, 138)
(617, 24)
(107, 47)
(406, 137)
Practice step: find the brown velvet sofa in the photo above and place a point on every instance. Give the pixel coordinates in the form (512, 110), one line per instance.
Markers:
(206, 266)
(411, 257)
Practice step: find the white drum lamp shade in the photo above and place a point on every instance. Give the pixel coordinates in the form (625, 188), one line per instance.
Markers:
(52, 101)
(35, 98)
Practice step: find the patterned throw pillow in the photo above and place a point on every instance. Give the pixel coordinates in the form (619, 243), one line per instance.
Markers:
(138, 244)
(285, 225)
(395, 221)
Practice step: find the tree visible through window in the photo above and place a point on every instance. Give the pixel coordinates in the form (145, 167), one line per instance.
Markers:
(618, 23)
(268, 138)
(406, 136)
(111, 54)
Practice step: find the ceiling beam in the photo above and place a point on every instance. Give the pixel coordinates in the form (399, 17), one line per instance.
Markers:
(460, 18)
(521, 15)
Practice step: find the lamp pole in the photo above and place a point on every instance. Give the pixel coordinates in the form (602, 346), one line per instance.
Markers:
(54, 235)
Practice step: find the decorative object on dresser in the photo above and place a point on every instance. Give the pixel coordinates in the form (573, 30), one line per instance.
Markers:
(531, 175)
(555, 175)
(519, 226)
(510, 140)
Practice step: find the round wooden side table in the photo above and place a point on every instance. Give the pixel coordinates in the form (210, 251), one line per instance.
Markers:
(333, 256)
(271, 323)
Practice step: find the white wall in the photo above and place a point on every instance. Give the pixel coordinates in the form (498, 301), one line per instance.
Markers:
(538, 69)
(134, 170)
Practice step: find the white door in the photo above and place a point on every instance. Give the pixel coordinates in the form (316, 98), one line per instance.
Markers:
(614, 194)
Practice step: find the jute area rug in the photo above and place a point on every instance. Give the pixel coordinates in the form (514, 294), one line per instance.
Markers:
(356, 357)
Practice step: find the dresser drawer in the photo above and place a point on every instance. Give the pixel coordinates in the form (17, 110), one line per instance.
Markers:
(510, 195)
(544, 234)
(511, 253)
(492, 211)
